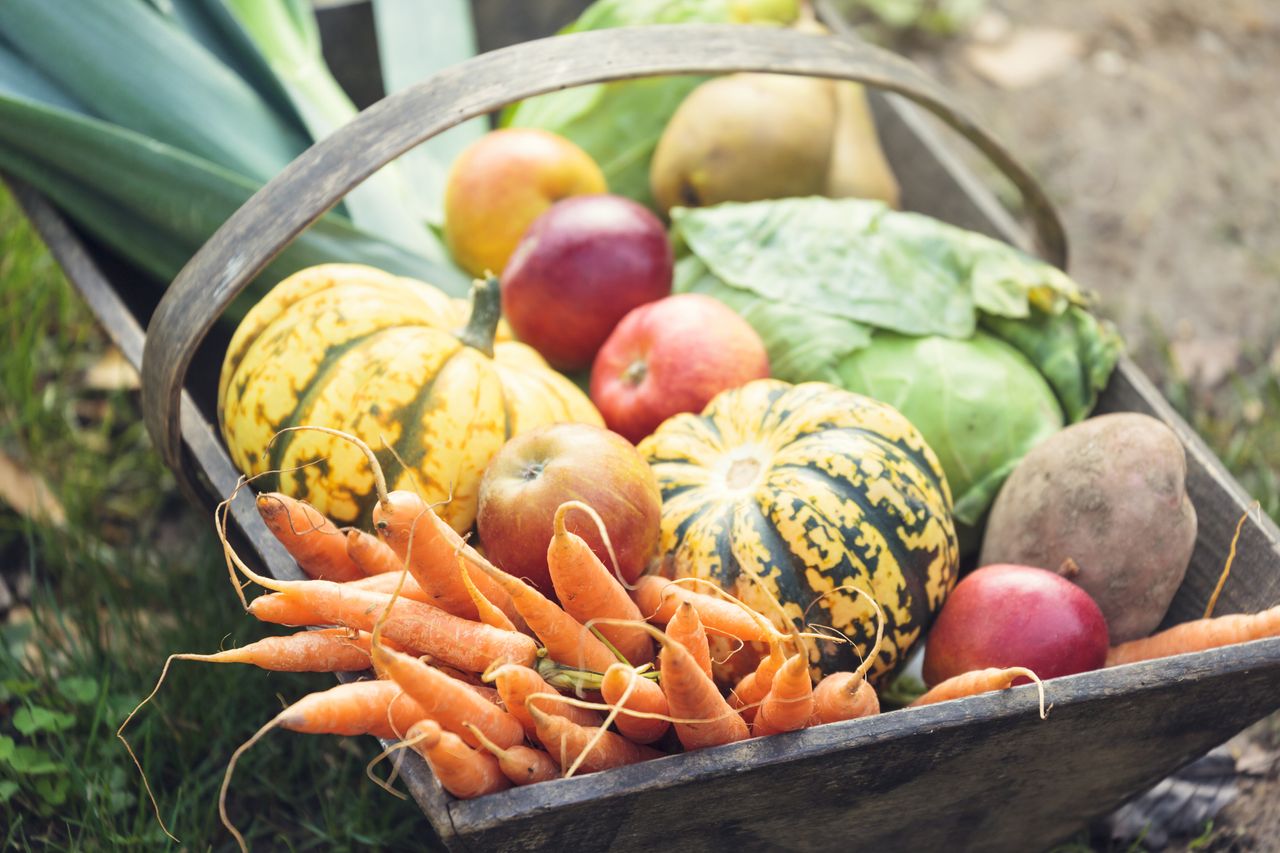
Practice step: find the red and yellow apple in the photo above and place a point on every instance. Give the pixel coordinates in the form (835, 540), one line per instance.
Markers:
(504, 181)
(1005, 615)
(672, 356)
(579, 268)
(537, 471)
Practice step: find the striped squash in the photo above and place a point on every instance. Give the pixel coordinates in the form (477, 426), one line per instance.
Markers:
(781, 493)
(384, 358)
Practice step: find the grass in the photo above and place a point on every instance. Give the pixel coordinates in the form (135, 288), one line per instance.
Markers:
(133, 575)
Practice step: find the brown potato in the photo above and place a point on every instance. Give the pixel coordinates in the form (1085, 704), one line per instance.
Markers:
(1109, 494)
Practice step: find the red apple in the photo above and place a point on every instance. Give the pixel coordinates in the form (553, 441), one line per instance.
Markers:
(673, 356)
(538, 470)
(579, 268)
(1004, 615)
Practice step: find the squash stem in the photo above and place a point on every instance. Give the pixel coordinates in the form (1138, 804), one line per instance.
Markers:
(486, 311)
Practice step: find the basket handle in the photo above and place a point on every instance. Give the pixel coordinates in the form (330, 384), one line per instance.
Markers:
(320, 177)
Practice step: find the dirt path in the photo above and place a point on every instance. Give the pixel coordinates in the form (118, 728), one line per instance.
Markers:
(1156, 130)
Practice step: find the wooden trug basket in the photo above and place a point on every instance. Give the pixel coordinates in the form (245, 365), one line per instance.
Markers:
(982, 774)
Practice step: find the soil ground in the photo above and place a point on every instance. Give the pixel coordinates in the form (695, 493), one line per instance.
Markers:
(1154, 128)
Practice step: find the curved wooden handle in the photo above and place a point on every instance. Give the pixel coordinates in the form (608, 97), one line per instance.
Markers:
(322, 175)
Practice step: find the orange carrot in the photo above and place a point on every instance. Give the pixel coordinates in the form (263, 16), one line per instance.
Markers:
(692, 695)
(387, 583)
(587, 590)
(658, 599)
(747, 695)
(844, 696)
(487, 611)
(979, 681)
(789, 703)
(379, 708)
(312, 540)
(371, 554)
(645, 696)
(461, 770)
(447, 701)
(565, 638)
(848, 695)
(411, 624)
(598, 749)
(431, 547)
(686, 629)
(517, 683)
(523, 765)
(1199, 635)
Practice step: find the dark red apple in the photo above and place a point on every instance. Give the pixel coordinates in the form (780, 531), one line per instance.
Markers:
(1003, 616)
(580, 267)
(538, 470)
(672, 356)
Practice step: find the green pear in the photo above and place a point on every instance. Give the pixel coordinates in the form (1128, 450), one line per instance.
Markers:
(747, 137)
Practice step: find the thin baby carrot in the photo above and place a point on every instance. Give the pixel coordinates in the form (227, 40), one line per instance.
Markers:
(789, 703)
(312, 540)
(410, 624)
(430, 547)
(379, 708)
(565, 638)
(387, 583)
(645, 697)
(371, 554)
(750, 691)
(848, 695)
(447, 701)
(587, 590)
(844, 696)
(487, 611)
(461, 770)
(686, 629)
(658, 599)
(692, 695)
(980, 681)
(1199, 635)
(593, 749)
(517, 683)
(523, 765)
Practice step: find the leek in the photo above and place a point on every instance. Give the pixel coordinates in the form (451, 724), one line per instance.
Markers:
(415, 40)
(289, 38)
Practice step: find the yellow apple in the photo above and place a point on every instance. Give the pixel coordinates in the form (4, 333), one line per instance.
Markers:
(501, 183)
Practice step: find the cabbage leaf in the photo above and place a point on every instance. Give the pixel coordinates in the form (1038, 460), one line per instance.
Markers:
(984, 348)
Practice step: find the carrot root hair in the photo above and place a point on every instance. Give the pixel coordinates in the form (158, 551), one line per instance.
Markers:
(379, 479)
(226, 778)
(1231, 556)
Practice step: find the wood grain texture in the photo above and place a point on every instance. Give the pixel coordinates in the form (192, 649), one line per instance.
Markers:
(322, 175)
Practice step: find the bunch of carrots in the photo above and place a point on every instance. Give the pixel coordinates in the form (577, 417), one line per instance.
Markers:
(496, 684)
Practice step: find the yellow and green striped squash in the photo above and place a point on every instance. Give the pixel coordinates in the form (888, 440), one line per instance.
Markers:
(397, 363)
(784, 493)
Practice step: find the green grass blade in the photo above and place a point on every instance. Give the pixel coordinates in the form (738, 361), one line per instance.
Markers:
(134, 67)
(415, 40)
(289, 38)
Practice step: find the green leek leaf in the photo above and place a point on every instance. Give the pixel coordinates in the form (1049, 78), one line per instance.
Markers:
(157, 205)
(288, 36)
(133, 66)
(415, 40)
